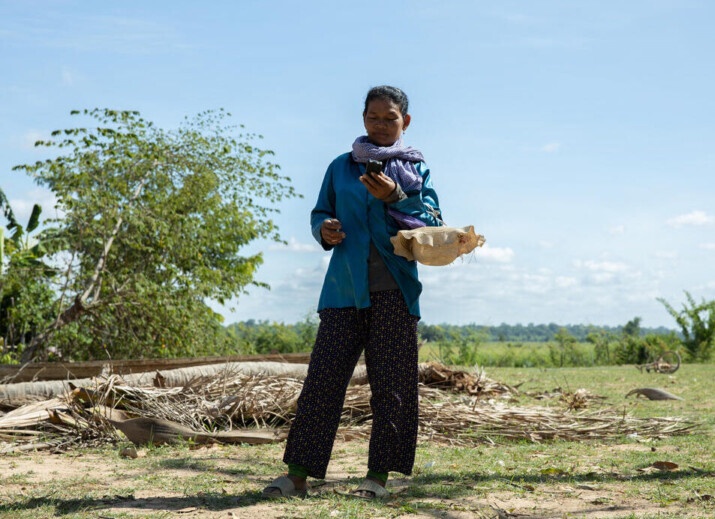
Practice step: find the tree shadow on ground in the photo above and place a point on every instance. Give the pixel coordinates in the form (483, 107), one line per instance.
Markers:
(605, 477)
(206, 465)
(450, 486)
(206, 501)
(458, 485)
(488, 512)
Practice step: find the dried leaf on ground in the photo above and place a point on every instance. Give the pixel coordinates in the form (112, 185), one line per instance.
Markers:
(664, 465)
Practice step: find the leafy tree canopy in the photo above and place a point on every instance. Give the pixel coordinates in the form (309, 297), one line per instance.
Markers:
(152, 225)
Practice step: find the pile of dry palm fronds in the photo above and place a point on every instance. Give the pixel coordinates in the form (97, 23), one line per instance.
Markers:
(579, 399)
(470, 421)
(436, 375)
(230, 401)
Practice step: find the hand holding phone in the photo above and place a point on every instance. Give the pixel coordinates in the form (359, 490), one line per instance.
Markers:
(373, 168)
(377, 183)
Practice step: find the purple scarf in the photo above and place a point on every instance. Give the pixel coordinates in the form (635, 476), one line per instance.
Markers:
(399, 163)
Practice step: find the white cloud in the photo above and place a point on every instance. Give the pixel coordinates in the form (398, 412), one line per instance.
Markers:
(324, 263)
(666, 254)
(494, 254)
(609, 267)
(553, 43)
(27, 140)
(22, 207)
(706, 287)
(602, 290)
(515, 18)
(551, 147)
(295, 246)
(123, 35)
(67, 78)
(707, 246)
(611, 274)
(545, 244)
(617, 229)
(484, 293)
(693, 218)
(565, 282)
(292, 295)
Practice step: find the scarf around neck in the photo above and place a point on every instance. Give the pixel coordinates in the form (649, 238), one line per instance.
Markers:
(399, 164)
(398, 160)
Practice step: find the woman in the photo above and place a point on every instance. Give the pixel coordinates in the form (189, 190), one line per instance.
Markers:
(369, 302)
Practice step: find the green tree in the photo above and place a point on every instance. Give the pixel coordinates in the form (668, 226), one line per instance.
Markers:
(633, 327)
(460, 349)
(26, 295)
(602, 342)
(153, 226)
(431, 333)
(564, 351)
(271, 337)
(633, 350)
(697, 324)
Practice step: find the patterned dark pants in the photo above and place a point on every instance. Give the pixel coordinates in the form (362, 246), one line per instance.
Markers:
(388, 334)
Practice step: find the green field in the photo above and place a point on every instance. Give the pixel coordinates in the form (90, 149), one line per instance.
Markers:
(522, 355)
(504, 479)
(508, 354)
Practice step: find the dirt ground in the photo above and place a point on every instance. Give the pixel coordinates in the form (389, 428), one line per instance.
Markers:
(617, 478)
(220, 482)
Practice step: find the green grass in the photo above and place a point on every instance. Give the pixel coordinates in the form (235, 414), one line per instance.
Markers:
(519, 354)
(446, 482)
(508, 354)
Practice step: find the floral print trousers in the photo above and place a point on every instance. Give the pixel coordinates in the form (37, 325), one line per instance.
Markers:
(388, 334)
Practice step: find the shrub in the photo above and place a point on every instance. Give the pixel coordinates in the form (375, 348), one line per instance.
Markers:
(564, 351)
(697, 323)
(460, 349)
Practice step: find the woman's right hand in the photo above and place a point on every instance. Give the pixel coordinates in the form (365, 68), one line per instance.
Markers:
(330, 231)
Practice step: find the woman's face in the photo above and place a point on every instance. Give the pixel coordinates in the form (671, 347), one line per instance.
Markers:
(384, 122)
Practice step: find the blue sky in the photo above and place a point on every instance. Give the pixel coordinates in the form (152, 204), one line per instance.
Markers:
(576, 136)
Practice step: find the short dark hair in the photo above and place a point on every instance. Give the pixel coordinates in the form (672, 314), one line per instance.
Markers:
(388, 93)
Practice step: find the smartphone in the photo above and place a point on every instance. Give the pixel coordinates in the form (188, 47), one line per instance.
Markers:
(373, 167)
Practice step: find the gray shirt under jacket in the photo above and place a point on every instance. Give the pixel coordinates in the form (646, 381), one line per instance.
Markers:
(379, 277)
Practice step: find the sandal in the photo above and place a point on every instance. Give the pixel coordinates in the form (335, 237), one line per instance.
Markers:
(368, 485)
(285, 487)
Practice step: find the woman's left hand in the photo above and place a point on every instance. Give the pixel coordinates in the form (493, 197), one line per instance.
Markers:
(380, 187)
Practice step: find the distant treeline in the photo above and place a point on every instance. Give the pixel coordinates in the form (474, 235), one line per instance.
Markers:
(525, 333)
(255, 336)
(503, 345)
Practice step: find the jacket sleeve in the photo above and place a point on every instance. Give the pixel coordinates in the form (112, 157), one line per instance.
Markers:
(324, 208)
(423, 205)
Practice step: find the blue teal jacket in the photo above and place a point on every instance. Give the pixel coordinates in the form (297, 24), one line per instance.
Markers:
(365, 218)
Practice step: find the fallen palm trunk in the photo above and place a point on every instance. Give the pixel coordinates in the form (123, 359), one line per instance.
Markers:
(43, 371)
(430, 374)
(10, 393)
